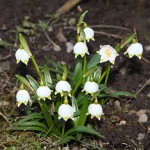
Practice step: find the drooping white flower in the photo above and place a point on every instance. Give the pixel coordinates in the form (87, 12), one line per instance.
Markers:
(80, 48)
(22, 55)
(90, 87)
(22, 96)
(135, 49)
(44, 92)
(65, 111)
(95, 110)
(107, 53)
(63, 86)
(89, 34)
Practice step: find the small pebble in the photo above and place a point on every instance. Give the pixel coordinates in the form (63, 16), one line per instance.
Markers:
(117, 105)
(123, 71)
(69, 47)
(140, 136)
(143, 118)
(141, 112)
(147, 47)
(131, 112)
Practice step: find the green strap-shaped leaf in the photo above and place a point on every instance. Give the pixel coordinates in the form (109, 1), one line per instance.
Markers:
(24, 81)
(122, 93)
(84, 109)
(24, 44)
(82, 17)
(28, 129)
(127, 40)
(97, 73)
(82, 129)
(33, 82)
(32, 117)
(94, 61)
(32, 123)
(66, 140)
(89, 72)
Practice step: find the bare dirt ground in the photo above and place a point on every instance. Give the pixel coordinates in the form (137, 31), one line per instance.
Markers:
(115, 20)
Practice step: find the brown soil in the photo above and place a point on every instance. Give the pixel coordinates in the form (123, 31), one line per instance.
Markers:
(123, 13)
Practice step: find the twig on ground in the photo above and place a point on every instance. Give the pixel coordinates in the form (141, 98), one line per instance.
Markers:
(109, 34)
(6, 57)
(147, 82)
(110, 27)
(142, 126)
(144, 59)
(67, 6)
(100, 32)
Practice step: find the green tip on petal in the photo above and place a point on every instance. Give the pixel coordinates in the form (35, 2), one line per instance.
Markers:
(25, 102)
(99, 117)
(139, 56)
(82, 54)
(17, 61)
(65, 118)
(62, 94)
(49, 97)
(92, 116)
(76, 55)
(93, 38)
(25, 61)
(130, 55)
(72, 118)
(44, 98)
(59, 117)
(19, 103)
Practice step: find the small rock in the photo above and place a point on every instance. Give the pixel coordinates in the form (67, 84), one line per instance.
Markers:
(141, 112)
(147, 47)
(60, 36)
(140, 136)
(123, 71)
(72, 21)
(143, 118)
(75, 148)
(84, 148)
(50, 29)
(56, 48)
(117, 105)
(69, 46)
(131, 112)
(122, 122)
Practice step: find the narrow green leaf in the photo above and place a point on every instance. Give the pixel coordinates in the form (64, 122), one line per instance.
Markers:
(127, 40)
(82, 17)
(75, 107)
(24, 44)
(104, 88)
(89, 72)
(82, 129)
(123, 93)
(32, 117)
(32, 123)
(28, 129)
(83, 114)
(77, 75)
(24, 81)
(66, 140)
(94, 61)
(47, 76)
(33, 82)
(97, 73)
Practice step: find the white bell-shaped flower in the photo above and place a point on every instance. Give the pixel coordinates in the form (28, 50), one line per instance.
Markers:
(65, 111)
(22, 96)
(22, 55)
(95, 110)
(80, 48)
(107, 53)
(90, 87)
(135, 49)
(44, 92)
(89, 34)
(63, 86)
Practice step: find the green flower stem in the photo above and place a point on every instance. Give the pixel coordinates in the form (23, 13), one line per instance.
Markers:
(84, 68)
(37, 68)
(107, 74)
(63, 129)
(76, 87)
(102, 76)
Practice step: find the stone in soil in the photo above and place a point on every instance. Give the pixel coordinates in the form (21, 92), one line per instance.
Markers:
(143, 118)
